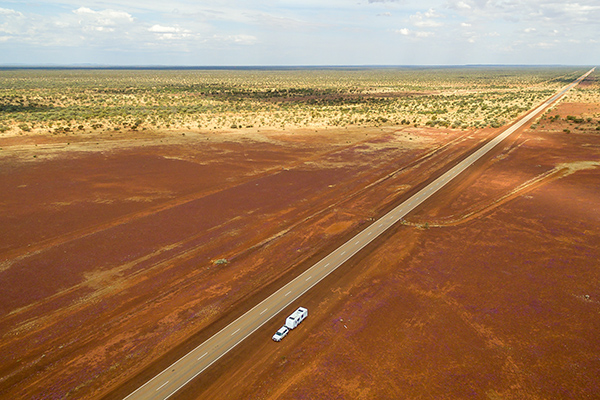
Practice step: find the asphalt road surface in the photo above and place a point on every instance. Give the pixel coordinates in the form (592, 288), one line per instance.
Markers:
(169, 381)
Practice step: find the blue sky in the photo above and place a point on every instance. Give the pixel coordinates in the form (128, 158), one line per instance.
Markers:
(300, 32)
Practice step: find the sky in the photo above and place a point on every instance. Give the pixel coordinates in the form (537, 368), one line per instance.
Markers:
(299, 32)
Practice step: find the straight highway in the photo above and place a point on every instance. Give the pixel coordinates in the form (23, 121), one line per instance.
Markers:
(169, 381)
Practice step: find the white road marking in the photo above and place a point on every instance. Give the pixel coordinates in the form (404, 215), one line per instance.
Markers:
(308, 277)
(288, 293)
(326, 265)
(343, 252)
(380, 225)
(206, 352)
(161, 386)
(263, 311)
(370, 233)
(237, 330)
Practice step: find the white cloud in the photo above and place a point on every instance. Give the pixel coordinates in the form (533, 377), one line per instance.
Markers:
(104, 17)
(549, 11)
(278, 22)
(7, 11)
(421, 34)
(308, 32)
(13, 25)
(170, 32)
(164, 29)
(544, 45)
(554, 24)
(414, 34)
(242, 39)
(118, 30)
(574, 8)
(93, 28)
(426, 19)
(431, 13)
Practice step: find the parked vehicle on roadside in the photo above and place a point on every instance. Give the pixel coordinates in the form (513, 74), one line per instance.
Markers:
(280, 334)
(297, 316)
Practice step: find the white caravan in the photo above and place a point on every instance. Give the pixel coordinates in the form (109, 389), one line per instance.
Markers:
(297, 316)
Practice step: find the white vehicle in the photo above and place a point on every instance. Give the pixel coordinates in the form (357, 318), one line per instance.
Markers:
(297, 316)
(280, 334)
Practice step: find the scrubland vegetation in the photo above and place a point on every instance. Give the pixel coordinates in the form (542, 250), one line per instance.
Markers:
(585, 93)
(589, 92)
(73, 101)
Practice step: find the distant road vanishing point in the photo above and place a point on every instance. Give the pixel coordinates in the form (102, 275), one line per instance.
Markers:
(169, 381)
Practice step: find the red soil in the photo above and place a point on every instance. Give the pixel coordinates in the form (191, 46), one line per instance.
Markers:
(489, 291)
(108, 245)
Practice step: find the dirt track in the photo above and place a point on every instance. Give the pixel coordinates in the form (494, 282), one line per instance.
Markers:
(488, 292)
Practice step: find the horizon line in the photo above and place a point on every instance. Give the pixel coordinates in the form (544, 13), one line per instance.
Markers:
(92, 66)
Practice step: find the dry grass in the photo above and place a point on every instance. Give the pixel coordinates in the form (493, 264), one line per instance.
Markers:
(74, 101)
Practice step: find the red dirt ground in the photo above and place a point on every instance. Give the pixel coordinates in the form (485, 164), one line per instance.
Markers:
(490, 290)
(108, 244)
